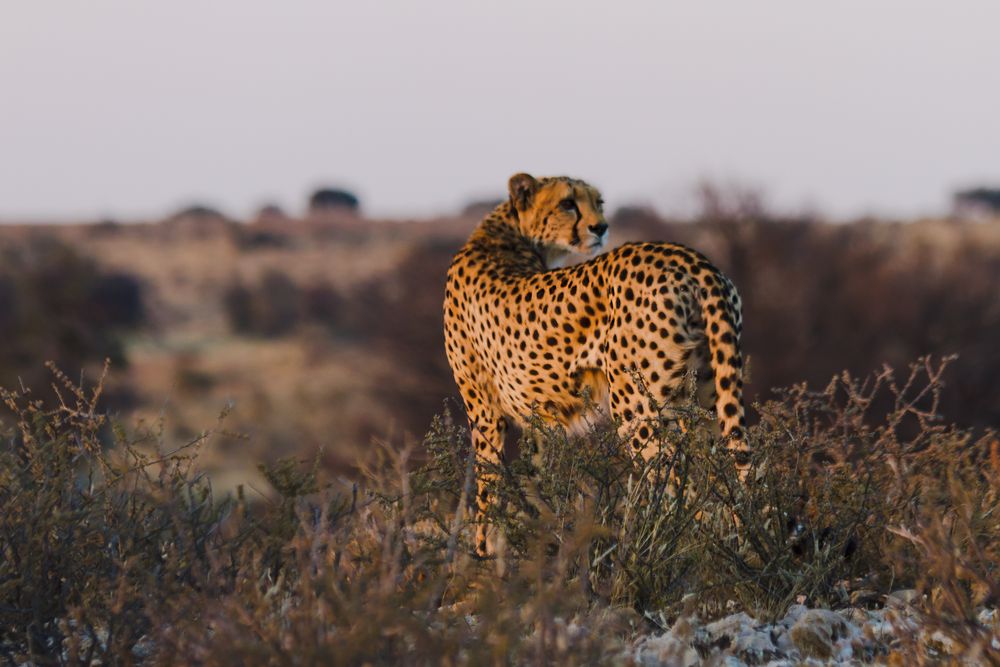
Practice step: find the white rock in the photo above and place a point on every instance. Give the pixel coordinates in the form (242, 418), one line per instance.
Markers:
(741, 636)
(902, 599)
(823, 634)
(730, 625)
(794, 613)
(666, 649)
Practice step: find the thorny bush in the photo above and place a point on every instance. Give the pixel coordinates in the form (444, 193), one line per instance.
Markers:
(114, 548)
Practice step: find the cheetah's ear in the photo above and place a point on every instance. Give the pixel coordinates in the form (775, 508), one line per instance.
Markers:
(522, 190)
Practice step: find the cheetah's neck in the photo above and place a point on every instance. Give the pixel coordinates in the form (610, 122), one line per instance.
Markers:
(501, 243)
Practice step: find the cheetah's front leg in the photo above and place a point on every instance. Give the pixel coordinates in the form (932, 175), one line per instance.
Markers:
(488, 432)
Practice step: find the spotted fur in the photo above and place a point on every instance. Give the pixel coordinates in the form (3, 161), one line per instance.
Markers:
(524, 336)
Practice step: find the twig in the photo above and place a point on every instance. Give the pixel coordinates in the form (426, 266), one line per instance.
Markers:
(456, 525)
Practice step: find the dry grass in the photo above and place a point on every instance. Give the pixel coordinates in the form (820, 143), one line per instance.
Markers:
(111, 553)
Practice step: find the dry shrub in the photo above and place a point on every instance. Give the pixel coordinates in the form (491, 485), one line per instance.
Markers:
(273, 307)
(399, 315)
(126, 556)
(633, 514)
(88, 536)
(58, 304)
(381, 576)
(947, 544)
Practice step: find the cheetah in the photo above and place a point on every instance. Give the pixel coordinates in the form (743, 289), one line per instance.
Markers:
(524, 336)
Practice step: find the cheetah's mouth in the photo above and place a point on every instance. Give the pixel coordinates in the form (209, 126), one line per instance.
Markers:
(597, 242)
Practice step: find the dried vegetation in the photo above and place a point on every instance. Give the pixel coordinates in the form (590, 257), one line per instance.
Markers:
(113, 547)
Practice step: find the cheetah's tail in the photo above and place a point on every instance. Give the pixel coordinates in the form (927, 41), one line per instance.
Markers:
(720, 306)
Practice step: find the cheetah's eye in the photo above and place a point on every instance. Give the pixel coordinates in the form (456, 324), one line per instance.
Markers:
(600, 203)
(567, 204)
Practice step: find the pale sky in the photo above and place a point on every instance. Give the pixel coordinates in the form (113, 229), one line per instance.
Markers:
(132, 108)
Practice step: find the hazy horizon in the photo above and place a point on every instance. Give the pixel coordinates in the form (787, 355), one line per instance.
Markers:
(116, 109)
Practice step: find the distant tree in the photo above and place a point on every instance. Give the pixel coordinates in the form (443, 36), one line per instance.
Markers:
(326, 199)
(272, 308)
(237, 302)
(278, 305)
(198, 211)
(729, 203)
(118, 298)
(977, 203)
(321, 303)
(57, 304)
(480, 207)
(269, 212)
(197, 221)
(106, 227)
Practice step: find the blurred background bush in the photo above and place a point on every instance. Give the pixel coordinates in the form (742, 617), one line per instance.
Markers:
(325, 331)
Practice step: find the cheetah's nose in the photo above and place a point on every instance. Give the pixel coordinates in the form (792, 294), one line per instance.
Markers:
(599, 228)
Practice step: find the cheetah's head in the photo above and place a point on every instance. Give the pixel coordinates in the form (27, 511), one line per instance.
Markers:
(562, 215)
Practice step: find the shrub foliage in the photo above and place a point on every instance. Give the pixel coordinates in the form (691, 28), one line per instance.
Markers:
(58, 304)
(123, 554)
